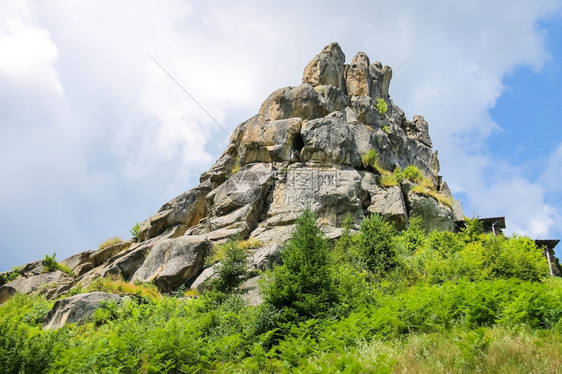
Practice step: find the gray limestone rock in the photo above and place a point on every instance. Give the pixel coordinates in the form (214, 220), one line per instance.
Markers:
(389, 203)
(326, 68)
(201, 283)
(271, 141)
(302, 101)
(329, 141)
(42, 284)
(77, 309)
(102, 255)
(185, 210)
(249, 291)
(357, 77)
(173, 262)
(78, 261)
(435, 216)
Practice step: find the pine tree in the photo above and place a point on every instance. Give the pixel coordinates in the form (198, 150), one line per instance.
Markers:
(303, 285)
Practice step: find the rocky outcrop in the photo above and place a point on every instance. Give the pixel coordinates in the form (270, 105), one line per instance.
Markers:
(76, 309)
(46, 284)
(326, 68)
(173, 262)
(305, 147)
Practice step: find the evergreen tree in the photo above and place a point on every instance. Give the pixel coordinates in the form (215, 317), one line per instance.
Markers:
(375, 245)
(303, 285)
(231, 270)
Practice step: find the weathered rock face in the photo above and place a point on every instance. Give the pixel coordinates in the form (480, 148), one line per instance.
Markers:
(326, 68)
(305, 147)
(173, 261)
(76, 309)
(46, 284)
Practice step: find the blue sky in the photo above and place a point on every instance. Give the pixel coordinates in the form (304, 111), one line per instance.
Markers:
(95, 137)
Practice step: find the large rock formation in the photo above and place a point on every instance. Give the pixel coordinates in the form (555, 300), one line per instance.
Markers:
(306, 146)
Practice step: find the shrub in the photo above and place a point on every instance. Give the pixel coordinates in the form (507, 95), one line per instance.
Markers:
(50, 264)
(370, 158)
(303, 286)
(10, 276)
(109, 242)
(375, 249)
(413, 173)
(381, 106)
(386, 129)
(135, 231)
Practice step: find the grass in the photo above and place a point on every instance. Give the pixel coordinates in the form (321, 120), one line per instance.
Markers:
(427, 191)
(109, 242)
(119, 287)
(370, 158)
(218, 253)
(488, 350)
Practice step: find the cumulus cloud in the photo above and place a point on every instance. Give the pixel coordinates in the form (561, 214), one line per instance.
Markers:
(117, 137)
(552, 176)
(28, 53)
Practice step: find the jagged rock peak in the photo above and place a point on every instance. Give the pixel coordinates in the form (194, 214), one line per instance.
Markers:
(307, 146)
(360, 78)
(326, 68)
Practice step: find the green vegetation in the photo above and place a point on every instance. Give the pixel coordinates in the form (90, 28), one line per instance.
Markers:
(118, 286)
(231, 271)
(50, 264)
(236, 167)
(135, 231)
(386, 129)
(219, 252)
(11, 275)
(375, 300)
(370, 158)
(381, 107)
(413, 174)
(109, 242)
(303, 286)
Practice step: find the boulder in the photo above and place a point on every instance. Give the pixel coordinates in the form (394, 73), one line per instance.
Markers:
(265, 257)
(184, 211)
(200, 283)
(330, 192)
(123, 265)
(246, 188)
(173, 262)
(326, 68)
(357, 77)
(80, 260)
(32, 268)
(335, 99)
(271, 141)
(435, 216)
(76, 309)
(302, 101)
(329, 141)
(389, 203)
(102, 255)
(43, 284)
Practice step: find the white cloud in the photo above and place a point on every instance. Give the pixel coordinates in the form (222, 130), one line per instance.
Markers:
(522, 203)
(28, 53)
(552, 176)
